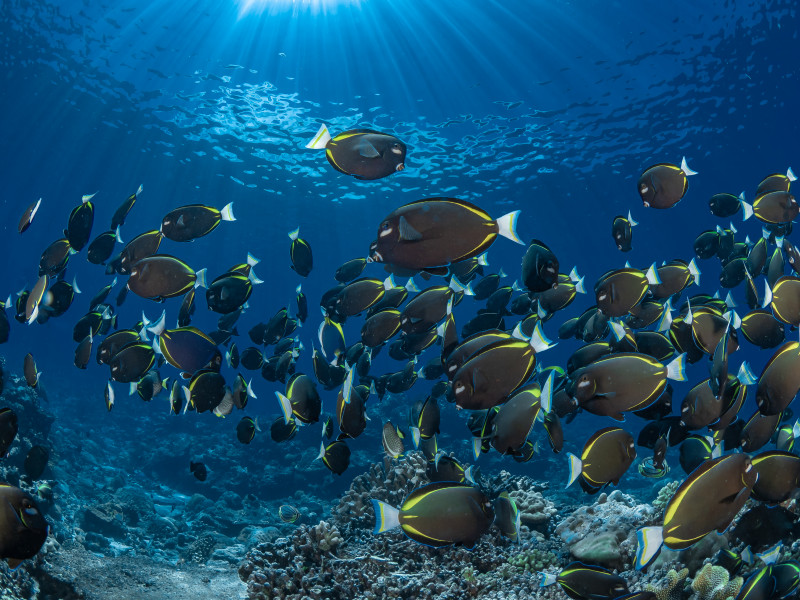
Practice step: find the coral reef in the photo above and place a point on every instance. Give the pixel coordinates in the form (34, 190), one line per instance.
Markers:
(670, 587)
(714, 583)
(665, 495)
(604, 533)
(533, 560)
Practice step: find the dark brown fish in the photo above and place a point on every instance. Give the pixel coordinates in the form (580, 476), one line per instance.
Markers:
(663, 185)
(363, 153)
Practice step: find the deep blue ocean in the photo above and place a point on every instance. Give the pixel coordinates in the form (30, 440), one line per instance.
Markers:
(551, 108)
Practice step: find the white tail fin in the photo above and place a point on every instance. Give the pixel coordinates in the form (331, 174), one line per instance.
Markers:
(507, 226)
(86, 197)
(547, 579)
(200, 280)
(411, 285)
(649, 542)
(694, 271)
(386, 517)
(254, 279)
(117, 236)
(476, 448)
(652, 275)
(75, 287)
(747, 208)
(286, 406)
(676, 370)
(575, 467)
(685, 168)
(790, 174)
(547, 394)
(294, 234)
(729, 301)
(767, 295)
(539, 341)
(483, 259)
(320, 139)
(156, 327)
(227, 212)
(746, 375)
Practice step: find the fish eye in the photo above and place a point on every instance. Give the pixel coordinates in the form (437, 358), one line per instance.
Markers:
(384, 226)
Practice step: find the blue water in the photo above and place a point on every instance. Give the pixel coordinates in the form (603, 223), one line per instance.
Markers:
(552, 108)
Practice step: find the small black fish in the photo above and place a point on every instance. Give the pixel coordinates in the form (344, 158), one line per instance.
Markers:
(335, 456)
(102, 247)
(300, 254)
(350, 270)
(187, 223)
(8, 429)
(663, 185)
(124, 208)
(23, 528)
(199, 470)
(79, 227)
(621, 231)
(246, 429)
(27, 216)
(36, 461)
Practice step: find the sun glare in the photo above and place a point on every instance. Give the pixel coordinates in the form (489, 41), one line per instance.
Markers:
(278, 6)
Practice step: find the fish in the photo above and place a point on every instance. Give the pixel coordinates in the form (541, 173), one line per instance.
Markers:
(54, 258)
(83, 352)
(425, 419)
(206, 390)
(587, 582)
(186, 310)
(281, 431)
(301, 400)
(539, 267)
(162, 276)
(606, 456)
(435, 232)
(507, 516)
(242, 392)
(617, 292)
(758, 431)
(102, 247)
(359, 295)
(762, 329)
(300, 254)
(350, 270)
(228, 292)
(132, 362)
(142, 246)
(27, 217)
(186, 348)
(365, 154)
(36, 461)
(776, 207)
(327, 428)
(34, 298)
(113, 343)
(251, 358)
(190, 222)
(79, 225)
(23, 528)
(780, 380)
(777, 182)
(30, 371)
(706, 501)
(288, 514)
(150, 386)
(623, 382)
(9, 426)
(392, 442)
(109, 396)
(439, 514)
(727, 205)
(663, 185)
(331, 339)
(782, 299)
(515, 419)
(199, 470)
(246, 429)
(302, 305)
(118, 219)
(335, 456)
(778, 476)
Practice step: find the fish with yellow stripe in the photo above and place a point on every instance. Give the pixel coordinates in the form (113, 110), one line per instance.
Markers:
(363, 153)
(432, 233)
(708, 500)
(438, 514)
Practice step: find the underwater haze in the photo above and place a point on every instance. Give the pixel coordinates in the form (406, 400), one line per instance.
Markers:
(325, 199)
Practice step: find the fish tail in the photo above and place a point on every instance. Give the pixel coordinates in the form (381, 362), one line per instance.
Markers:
(547, 579)
(507, 226)
(251, 393)
(227, 213)
(389, 283)
(117, 236)
(539, 341)
(790, 174)
(254, 279)
(386, 516)
(415, 435)
(580, 286)
(476, 447)
(676, 370)
(411, 285)
(694, 271)
(200, 280)
(649, 544)
(320, 139)
(546, 397)
(574, 468)
(652, 275)
(483, 259)
(286, 406)
(294, 234)
(685, 168)
(767, 295)
(631, 220)
(746, 375)
(747, 208)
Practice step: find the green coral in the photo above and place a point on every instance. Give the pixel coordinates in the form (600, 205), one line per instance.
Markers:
(665, 494)
(672, 588)
(713, 582)
(533, 560)
(468, 574)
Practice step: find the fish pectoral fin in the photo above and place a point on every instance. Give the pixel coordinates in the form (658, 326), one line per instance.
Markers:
(407, 232)
(367, 150)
